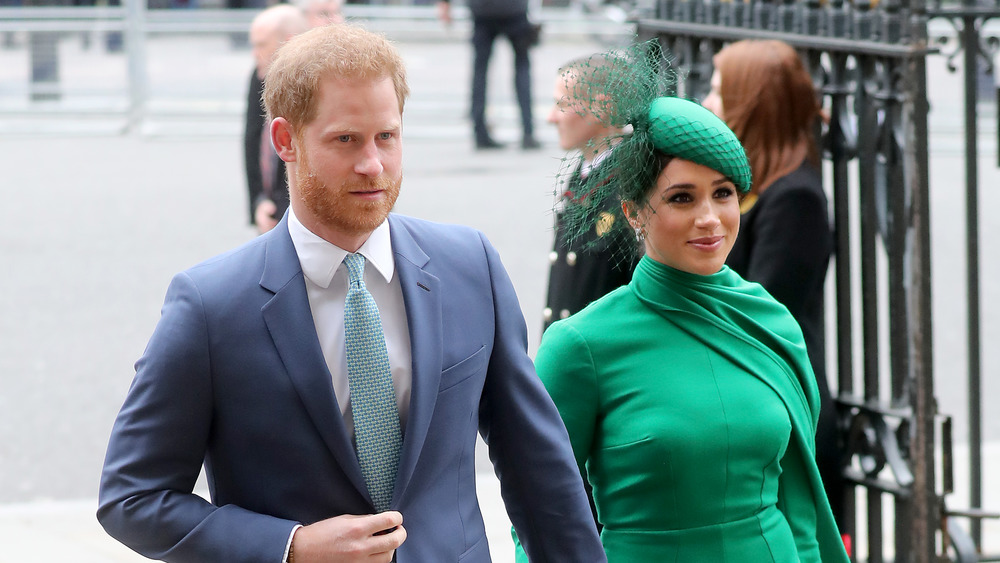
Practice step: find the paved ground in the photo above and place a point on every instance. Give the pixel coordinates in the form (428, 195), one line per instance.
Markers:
(97, 223)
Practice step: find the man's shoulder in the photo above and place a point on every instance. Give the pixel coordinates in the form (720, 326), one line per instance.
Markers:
(243, 261)
(444, 249)
(416, 223)
(433, 233)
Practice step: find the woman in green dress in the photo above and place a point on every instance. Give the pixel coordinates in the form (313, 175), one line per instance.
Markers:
(688, 394)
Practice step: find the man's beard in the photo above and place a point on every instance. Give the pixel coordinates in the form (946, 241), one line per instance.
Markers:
(336, 209)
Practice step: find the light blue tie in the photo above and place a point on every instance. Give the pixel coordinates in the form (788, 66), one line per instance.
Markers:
(373, 400)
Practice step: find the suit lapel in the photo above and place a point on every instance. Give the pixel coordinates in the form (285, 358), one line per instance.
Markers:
(422, 298)
(289, 320)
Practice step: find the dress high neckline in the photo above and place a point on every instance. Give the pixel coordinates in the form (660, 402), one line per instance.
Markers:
(658, 282)
(659, 270)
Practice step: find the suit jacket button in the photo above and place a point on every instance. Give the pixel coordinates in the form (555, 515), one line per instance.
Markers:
(553, 256)
(564, 313)
(547, 314)
(571, 258)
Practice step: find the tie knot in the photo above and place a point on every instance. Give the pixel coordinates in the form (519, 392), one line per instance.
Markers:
(355, 268)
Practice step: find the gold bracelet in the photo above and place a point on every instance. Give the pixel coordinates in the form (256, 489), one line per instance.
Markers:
(291, 553)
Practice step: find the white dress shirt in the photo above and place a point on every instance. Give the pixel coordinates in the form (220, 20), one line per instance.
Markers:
(326, 285)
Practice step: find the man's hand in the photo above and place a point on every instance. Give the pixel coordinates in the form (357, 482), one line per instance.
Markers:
(444, 12)
(263, 216)
(344, 539)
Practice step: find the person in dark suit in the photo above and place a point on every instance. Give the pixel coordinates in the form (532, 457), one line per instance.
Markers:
(491, 19)
(584, 267)
(765, 94)
(267, 188)
(332, 374)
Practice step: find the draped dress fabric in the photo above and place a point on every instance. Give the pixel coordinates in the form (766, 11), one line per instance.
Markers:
(785, 245)
(691, 408)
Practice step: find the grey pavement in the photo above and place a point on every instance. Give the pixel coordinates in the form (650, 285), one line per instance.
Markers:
(98, 222)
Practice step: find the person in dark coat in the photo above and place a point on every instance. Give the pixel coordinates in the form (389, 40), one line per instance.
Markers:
(267, 187)
(586, 266)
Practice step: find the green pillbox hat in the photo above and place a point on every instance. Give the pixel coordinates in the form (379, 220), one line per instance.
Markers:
(687, 130)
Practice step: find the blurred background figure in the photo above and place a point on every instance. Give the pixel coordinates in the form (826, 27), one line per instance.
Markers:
(322, 12)
(238, 39)
(267, 188)
(584, 267)
(490, 19)
(246, 3)
(766, 96)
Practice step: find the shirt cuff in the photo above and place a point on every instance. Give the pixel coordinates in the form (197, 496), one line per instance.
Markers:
(288, 545)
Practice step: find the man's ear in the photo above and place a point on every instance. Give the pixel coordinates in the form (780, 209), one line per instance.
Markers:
(283, 139)
(601, 106)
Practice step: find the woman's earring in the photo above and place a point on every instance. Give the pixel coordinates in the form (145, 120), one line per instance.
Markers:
(640, 234)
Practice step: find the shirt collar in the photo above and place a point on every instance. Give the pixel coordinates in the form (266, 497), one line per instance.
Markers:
(320, 259)
(588, 165)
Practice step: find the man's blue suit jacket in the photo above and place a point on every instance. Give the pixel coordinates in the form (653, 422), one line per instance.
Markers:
(233, 377)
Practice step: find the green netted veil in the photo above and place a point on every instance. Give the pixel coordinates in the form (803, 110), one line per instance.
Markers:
(629, 89)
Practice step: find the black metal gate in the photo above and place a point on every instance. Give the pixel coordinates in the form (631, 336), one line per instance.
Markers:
(869, 61)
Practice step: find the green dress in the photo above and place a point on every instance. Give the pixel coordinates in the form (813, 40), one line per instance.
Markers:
(692, 408)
